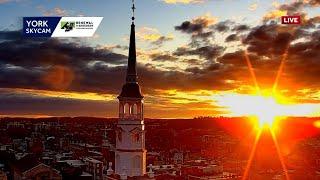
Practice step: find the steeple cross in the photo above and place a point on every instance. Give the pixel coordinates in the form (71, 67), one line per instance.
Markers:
(133, 9)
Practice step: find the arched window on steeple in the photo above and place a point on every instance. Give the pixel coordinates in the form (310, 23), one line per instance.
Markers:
(134, 109)
(126, 108)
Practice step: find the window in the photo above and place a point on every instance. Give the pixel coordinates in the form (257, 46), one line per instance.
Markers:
(136, 137)
(126, 108)
(136, 161)
(134, 109)
(118, 159)
(120, 135)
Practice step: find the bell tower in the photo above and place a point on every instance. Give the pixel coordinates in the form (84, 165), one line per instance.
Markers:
(130, 133)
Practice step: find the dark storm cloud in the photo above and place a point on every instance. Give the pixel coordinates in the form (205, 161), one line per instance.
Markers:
(59, 65)
(266, 45)
(20, 77)
(199, 29)
(292, 8)
(56, 64)
(192, 27)
(10, 35)
(206, 52)
(241, 28)
(53, 51)
(203, 71)
(232, 37)
(266, 40)
(185, 81)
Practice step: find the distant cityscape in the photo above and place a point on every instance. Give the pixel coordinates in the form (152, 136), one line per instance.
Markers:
(84, 148)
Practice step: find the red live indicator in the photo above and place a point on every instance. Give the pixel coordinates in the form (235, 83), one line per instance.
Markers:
(290, 19)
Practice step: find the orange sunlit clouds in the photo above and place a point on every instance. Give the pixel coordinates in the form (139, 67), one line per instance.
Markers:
(63, 94)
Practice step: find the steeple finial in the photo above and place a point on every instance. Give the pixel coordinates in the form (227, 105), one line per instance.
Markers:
(133, 10)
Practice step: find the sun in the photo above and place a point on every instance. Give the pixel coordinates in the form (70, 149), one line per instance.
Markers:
(264, 109)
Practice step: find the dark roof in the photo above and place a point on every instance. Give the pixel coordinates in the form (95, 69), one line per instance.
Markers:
(27, 162)
(6, 157)
(131, 90)
(132, 53)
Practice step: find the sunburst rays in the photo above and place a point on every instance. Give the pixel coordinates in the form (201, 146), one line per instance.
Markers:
(274, 138)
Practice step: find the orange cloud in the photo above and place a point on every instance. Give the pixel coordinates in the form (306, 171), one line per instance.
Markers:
(275, 14)
(62, 94)
(152, 35)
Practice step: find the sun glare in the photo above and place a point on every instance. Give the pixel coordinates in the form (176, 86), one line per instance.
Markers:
(263, 108)
(266, 110)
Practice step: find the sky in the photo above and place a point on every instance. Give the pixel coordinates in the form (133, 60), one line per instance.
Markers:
(195, 58)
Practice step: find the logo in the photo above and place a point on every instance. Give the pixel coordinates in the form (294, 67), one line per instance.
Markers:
(290, 20)
(60, 26)
(39, 26)
(67, 26)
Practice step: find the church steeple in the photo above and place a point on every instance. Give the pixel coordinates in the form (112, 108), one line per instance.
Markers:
(130, 138)
(132, 59)
(131, 88)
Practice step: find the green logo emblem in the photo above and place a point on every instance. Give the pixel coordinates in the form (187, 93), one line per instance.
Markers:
(67, 26)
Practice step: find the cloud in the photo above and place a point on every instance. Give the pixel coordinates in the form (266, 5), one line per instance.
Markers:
(293, 8)
(232, 37)
(197, 25)
(266, 40)
(241, 28)
(223, 26)
(61, 65)
(57, 11)
(162, 39)
(55, 64)
(199, 28)
(153, 35)
(112, 47)
(253, 6)
(162, 57)
(275, 14)
(9, 35)
(207, 52)
(183, 1)
(18, 102)
(275, 4)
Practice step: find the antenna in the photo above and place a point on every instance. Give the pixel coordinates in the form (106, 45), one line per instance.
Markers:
(133, 9)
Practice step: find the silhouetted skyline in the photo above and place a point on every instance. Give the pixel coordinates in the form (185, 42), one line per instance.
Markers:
(191, 57)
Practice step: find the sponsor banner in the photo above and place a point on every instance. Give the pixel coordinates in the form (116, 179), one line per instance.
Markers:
(60, 26)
